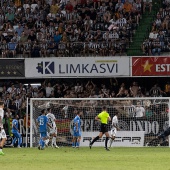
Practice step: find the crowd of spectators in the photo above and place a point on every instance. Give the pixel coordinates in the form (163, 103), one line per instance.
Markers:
(14, 94)
(39, 28)
(159, 37)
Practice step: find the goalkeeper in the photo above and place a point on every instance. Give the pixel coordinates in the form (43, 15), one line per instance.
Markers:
(163, 135)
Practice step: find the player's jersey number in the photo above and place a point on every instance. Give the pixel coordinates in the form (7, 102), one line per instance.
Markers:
(50, 121)
(41, 121)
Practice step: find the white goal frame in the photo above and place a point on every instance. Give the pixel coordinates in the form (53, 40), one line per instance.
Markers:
(91, 99)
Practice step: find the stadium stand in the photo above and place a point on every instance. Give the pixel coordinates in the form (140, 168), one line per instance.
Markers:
(14, 93)
(67, 28)
(158, 41)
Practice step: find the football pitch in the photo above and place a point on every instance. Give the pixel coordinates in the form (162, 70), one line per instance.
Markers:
(67, 158)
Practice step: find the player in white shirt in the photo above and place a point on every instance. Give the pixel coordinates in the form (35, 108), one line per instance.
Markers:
(114, 129)
(53, 130)
(2, 131)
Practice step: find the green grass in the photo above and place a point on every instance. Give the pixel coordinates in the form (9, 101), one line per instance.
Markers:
(65, 158)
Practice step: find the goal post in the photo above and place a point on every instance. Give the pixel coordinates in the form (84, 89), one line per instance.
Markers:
(136, 130)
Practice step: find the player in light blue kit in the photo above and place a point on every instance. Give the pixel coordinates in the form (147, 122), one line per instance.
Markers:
(77, 130)
(15, 131)
(42, 123)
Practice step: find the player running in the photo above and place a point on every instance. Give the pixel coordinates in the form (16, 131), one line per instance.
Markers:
(42, 123)
(15, 131)
(114, 128)
(53, 129)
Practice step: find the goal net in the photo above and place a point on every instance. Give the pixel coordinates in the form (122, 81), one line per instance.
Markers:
(139, 119)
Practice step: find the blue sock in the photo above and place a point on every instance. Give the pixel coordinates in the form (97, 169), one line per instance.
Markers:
(14, 140)
(20, 140)
(43, 143)
(73, 144)
(40, 142)
(77, 144)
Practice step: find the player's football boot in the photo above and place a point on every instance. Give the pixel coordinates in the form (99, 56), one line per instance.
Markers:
(90, 145)
(56, 147)
(107, 149)
(39, 147)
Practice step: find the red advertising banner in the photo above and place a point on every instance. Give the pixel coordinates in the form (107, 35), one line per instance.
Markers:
(150, 66)
(63, 125)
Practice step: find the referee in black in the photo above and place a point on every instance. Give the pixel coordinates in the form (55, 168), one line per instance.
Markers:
(103, 117)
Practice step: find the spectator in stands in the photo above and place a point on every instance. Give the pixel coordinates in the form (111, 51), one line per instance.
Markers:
(4, 49)
(10, 28)
(10, 15)
(88, 23)
(8, 113)
(43, 48)
(49, 89)
(158, 21)
(2, 18)
(147, 3)
(32, 36)
(5, 7)
(134, 88)
(27, 48)
(57, 38)
(19, 29)
(122, 21)
(127, 6)
(167, 89)
(165, 23)
(153, 35)
(119, 6)
(24, 38)
(26, 4)
(156, 91)
(35, 50)
(51, 47)
(146, 47)
(161, 37)
(53, 9)
(16, 37)
(121, 89)
(156, 47)
(12, 48)
(7, 99)
(13, 108)
(69, 7)
(139, 110)
(136, 10)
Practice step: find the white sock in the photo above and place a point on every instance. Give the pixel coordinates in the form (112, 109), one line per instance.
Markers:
(54, 140)
(46, 141)
(111, 141)
(0, 150)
